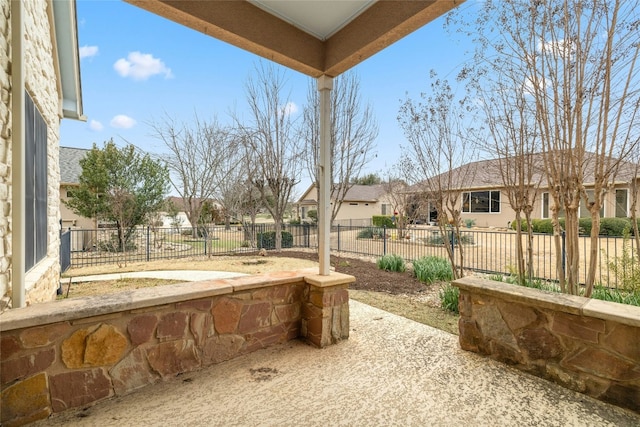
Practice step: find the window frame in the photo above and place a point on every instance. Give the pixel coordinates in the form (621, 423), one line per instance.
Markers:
(491, 201)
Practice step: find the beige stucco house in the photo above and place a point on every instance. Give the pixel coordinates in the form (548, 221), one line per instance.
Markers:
(360, 203)
(70, 171)
(482, 197)
(40, 85)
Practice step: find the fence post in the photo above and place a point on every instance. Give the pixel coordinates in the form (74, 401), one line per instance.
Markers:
(564, 254)
(148, 242)
(453, 247)
(384, 240)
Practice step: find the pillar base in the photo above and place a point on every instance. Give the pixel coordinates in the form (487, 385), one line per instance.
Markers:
(325, 313)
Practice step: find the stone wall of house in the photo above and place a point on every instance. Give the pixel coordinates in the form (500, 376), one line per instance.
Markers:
(42, 85)
(586, 345)
(72, 353)
(5, 153)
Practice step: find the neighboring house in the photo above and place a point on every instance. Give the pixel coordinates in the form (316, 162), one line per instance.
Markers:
(70, 171)
(484, 200)
(181, 219)
(40, 85)
(360, 202)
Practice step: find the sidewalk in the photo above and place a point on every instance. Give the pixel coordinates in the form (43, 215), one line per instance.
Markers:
(186, 275)
(392, 371)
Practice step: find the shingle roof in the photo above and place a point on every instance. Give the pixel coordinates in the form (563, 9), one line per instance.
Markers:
(364, 193)
(70, 169)
(486, 173)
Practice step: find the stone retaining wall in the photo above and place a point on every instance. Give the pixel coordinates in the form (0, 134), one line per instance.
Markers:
(72, 353)
(586, 345)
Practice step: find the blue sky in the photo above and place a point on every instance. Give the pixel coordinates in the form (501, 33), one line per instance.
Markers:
(137, 67)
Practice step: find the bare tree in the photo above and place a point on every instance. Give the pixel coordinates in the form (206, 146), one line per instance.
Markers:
(271, 136)
(353, 134)
(395, 190)
(439, 146)
(510, 119)
(578, 59)
(201, 156)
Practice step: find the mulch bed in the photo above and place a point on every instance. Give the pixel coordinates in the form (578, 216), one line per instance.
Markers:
(368, 276)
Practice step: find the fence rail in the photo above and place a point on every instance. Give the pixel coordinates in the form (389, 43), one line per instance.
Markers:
(483, 250)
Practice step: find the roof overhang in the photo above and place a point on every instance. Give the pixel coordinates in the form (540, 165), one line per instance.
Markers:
(66, 46)
(314, 37)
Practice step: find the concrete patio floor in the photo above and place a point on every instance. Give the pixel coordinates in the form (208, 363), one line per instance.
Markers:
(392, 371)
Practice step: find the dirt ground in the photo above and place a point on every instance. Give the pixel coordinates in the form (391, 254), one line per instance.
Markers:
(398, 293)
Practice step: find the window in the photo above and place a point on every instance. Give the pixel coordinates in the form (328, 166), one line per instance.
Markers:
(386, 209)
(584, 210)
(546, 207)
(303, 214)
(481, 202)
(622, 203)
(36, 185)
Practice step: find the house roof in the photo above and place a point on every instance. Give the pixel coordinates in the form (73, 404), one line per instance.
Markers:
(314, 37)
(70, 169)
(357, 193)
(485, 174)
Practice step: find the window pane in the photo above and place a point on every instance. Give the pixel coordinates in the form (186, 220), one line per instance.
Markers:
(495, 201)
(466, 202)
(621, 203)
(480, 201)
(545, 205)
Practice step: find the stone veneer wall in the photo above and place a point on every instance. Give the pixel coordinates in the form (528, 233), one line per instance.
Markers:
(586, 345)
(73, 353)
(42, 85)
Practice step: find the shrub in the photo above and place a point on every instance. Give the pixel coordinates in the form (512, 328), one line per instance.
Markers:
(114, 245)
(524, 225)
(543, 225)
(370, 233)
(382, 221)
(614, 226)
(313, 215)
(392, 263)
(449, 296)
(267, 240)
(626, 267)
(466, 239)
(431, 269)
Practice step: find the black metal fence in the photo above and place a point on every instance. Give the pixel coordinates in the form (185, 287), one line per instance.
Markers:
(65, 250)
(483, 250)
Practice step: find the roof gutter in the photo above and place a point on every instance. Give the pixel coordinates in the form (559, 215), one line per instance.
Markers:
(18, 202)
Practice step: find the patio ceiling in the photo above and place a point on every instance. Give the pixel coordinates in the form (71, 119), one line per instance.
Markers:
(314, 37)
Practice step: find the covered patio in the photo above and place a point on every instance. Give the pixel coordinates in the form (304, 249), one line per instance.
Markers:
(391, 371)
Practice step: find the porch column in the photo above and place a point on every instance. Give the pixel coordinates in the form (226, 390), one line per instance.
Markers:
(325, 84)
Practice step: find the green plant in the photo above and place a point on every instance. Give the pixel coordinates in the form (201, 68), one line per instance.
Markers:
(449, 297)
(626, 267)
(370, 233)
(469, 222)
(392, 263)
(313, 215)
(465, 239)
(431, 269)
(267, 240)
(615, 295)
(382, 221)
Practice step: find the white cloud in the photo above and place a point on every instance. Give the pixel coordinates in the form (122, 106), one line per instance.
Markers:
(290, 108)
(141, 66)
(122, 122)
(88, 51)
(95, 125)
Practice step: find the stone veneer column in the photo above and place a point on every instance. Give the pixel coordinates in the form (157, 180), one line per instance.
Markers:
(325, 311)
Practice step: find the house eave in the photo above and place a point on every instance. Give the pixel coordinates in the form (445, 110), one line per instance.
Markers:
(66, 47)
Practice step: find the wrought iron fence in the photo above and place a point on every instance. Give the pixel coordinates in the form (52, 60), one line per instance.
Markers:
(486, 251)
